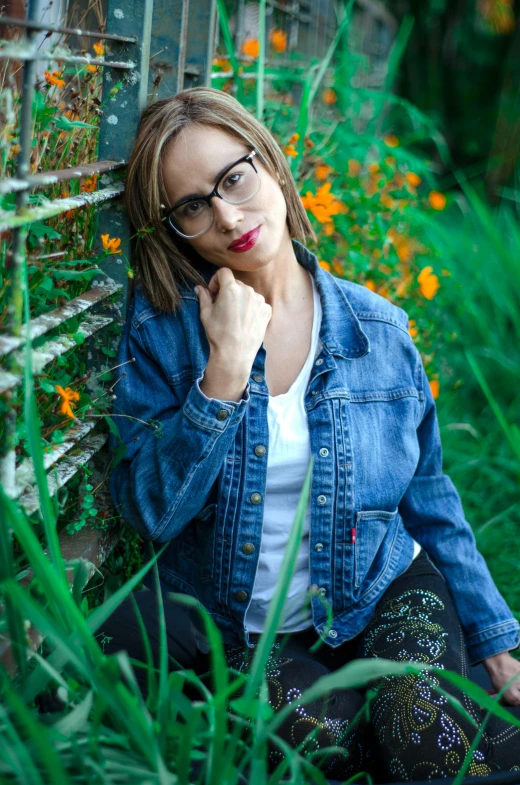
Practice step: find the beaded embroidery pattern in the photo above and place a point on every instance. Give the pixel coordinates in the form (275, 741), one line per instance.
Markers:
(331, 731)
(408, 706)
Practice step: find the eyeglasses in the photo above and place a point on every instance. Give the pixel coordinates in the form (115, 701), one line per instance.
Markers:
(240, 182)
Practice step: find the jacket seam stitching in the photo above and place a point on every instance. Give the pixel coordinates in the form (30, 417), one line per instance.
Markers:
(494, 627)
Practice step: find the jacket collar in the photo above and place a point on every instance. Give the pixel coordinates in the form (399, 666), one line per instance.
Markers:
(341, 331)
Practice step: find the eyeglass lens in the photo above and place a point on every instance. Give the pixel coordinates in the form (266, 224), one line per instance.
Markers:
(238, 185)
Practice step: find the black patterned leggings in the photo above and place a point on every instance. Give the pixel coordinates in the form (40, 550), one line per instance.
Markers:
(412, 732)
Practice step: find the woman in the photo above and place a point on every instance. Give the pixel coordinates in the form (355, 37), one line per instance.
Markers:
(242, 357)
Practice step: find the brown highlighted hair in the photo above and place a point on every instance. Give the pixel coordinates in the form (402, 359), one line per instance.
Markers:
(162, 259)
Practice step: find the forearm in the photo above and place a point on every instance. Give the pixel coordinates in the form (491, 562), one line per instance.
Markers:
(168, 480)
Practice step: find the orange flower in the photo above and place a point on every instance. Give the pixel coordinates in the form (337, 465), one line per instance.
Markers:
(437, 200)
(370, 285)
(428, 282)
(92, 68)
(434, 387)
(328, 229)
(412, 329)
(373, 168)
(391, 140)
(71, 114)
(111, 244)
(413, 179)
(289, 149)
(325, 265)
(329, 96)
(15, 149)
(322, 171)
(354, 167)
(221, 62)
(294, 138)
(279, 40)
(54, 79)
(99, 48)
(323, 205)
(90, 184)
(251, 47)
(67, 396)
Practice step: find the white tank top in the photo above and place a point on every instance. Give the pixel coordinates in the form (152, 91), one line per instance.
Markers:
(288, 461)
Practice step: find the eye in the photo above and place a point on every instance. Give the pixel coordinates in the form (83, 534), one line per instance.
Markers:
(191, 209)
(232, 179)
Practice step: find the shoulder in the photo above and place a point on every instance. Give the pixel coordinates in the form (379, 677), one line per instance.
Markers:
(370, 306)
(142, 314)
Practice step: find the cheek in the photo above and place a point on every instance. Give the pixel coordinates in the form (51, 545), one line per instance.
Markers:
(274, 206)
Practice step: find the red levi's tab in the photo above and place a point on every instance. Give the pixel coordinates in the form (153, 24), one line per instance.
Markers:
(353, 532)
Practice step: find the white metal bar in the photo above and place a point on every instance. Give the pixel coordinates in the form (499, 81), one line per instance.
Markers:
(47, 321)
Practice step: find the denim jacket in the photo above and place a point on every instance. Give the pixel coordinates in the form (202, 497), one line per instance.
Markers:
(197, 482)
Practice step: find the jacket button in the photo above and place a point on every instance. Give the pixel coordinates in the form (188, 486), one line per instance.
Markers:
(248, 548)
(319, 362)
(324, 452)
(318, 547)
(258, 377)
(333, 634)
(260, 450)
(314, 392)
(241, 596)
(256, 498)
(323, 591)
(322, 499)
(222, 414)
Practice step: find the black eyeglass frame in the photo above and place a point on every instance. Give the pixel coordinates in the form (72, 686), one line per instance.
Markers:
(213, 193)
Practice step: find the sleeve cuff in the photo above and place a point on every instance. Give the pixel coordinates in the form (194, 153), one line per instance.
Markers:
(213, 413)
(494, 640)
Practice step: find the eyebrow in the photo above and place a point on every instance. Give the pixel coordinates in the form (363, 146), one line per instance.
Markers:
(216, 179)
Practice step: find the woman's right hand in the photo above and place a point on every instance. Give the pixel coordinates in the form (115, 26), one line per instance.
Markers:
(235, 321)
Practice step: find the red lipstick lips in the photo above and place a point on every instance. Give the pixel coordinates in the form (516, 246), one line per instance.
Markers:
(246, 242)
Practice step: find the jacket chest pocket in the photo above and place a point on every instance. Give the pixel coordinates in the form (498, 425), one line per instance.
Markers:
(375, 540)
(197, 541)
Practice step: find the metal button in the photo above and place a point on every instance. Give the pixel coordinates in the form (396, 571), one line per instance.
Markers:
(333, 634)
(323, 591)
(322, 499)
(324, 452)
(318, 547)
(256, 498)
(222, 414)
(260, 450)
(319, 362)
(248, 548)
(241, 596)
(258, 377)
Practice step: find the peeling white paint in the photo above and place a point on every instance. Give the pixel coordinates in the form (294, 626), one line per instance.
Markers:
(118, 13)
(112, 119)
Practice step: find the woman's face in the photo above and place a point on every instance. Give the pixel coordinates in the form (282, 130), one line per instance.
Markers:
(190, 166)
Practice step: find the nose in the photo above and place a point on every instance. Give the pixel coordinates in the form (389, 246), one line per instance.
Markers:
(227, 215)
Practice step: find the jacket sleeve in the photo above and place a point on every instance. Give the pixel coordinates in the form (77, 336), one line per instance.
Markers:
(432, 512)
(168, 470)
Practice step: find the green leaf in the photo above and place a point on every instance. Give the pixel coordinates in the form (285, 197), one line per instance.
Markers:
(79, 338)
(74, 275)
(64, 124)
(47, 386)
(39, 229)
